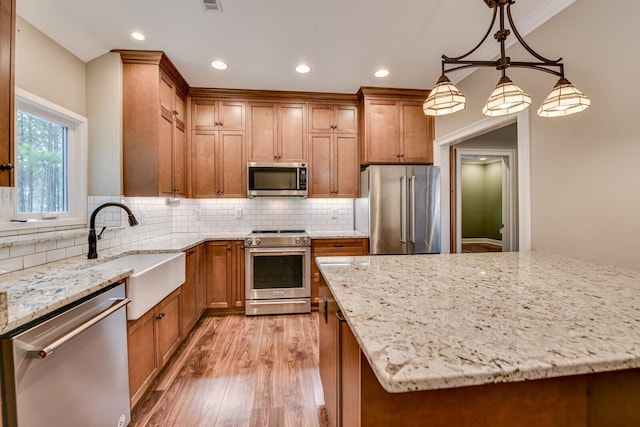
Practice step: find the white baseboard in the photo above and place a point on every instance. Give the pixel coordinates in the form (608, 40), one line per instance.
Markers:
(482, 240)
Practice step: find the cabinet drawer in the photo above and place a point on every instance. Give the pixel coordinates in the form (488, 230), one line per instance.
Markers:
(339, 247)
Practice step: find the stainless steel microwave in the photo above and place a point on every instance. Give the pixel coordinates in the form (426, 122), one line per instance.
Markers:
(276, 179)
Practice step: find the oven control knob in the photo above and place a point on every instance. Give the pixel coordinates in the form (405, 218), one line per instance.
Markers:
(305, 240)
(297, 241)
(248, 242)
(257, 241)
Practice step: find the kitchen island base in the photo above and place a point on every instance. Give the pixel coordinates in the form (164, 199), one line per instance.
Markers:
(354, 396)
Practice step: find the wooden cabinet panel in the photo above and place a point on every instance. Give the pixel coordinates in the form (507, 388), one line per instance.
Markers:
(7, 84)
(381, 123)
(320, 169)
(204, 115)
(189, 310)
(168, 326)
(349, 375)
(179, 160)
(332, 247)
(292, 137)
(203, 160)
(201, 279)
(262, 128)
(231, 166)
(347, 171)
(321, 118)
(232, 115)
(346, 120)
(219, 266)
(225, 275)
(144, 364)
(415, 134)
(166, 93)
(165, 155)
(328, 337)
(238, 274)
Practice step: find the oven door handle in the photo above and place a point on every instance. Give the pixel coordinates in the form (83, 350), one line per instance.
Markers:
(49, 348)
(293, 301)
(275, 251)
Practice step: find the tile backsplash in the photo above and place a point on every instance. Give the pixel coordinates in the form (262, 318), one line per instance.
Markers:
(156, 218)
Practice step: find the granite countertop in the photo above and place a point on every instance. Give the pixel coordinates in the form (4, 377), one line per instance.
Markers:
(29, 294)
(441, 321)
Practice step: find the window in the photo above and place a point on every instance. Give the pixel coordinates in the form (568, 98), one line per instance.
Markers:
(51, 159)
(42, 164)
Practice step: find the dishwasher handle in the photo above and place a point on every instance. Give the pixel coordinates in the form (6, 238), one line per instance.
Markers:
(48, 349)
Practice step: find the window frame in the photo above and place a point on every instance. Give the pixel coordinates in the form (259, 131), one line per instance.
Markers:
(77, 161)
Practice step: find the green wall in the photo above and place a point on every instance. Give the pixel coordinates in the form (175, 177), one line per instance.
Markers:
(481, 200)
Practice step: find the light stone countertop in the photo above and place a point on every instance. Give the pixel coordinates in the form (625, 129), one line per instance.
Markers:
(441, 321)
(35, 292)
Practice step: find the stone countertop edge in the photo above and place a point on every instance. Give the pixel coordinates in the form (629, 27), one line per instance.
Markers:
(473, 319)
(36, 291)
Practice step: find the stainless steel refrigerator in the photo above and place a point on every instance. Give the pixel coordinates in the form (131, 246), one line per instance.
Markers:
(399, 209)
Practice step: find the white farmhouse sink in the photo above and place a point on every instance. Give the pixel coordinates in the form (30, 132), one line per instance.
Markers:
(154, 277)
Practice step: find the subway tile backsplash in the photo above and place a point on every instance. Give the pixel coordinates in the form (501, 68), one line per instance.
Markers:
(39, 246)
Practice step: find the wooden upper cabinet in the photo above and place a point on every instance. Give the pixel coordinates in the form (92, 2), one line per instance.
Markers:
(7, 67)
(277, 132)
(154, 131)
(333, 151)
(328, 118)
(395, 129)
(218, 165)
(211, 115)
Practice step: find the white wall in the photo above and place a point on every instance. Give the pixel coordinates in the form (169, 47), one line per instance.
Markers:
(48, 70)
(584, 174)
(104, 108)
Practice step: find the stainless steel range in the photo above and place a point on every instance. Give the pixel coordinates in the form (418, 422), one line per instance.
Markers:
(278, 272)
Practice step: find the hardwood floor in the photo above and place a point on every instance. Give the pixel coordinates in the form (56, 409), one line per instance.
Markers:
(480, 247)
(240, 371)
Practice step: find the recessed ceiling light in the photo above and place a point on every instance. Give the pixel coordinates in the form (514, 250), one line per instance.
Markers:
(381, 73)
(219, 65)
(138, 36)
(303, 68)
(482, 158)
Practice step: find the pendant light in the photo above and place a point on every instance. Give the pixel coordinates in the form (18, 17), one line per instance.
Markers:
(507, 98)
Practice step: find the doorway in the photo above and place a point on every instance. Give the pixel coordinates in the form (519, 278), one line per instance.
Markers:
(486, 200)
(445, 157)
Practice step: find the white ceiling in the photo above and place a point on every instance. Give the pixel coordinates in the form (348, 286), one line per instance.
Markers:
(344, 41)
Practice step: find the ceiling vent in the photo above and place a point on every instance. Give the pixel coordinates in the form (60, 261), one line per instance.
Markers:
(212, 5)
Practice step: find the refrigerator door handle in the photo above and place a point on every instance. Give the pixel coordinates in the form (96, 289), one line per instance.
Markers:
(403, 209)
(412, 209)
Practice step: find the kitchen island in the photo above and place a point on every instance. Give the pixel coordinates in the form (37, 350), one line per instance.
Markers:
(479, 339)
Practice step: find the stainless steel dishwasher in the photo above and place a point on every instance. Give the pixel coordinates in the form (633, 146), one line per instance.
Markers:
(71, 369)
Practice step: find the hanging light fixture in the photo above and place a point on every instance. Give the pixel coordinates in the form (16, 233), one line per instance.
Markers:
(507, 98)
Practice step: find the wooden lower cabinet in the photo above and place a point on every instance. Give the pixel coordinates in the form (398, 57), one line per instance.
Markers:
(333, 247)
(201, 279)
(225, 275)
(152, 340)
(354, 397)
(189, 310)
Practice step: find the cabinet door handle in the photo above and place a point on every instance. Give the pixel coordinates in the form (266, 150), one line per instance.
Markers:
(338, 245)
(175, 112)
(340, 316)
(229, 247)
(161, 315)
(6, 167)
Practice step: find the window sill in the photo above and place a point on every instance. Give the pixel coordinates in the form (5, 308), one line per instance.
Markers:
(39, 225)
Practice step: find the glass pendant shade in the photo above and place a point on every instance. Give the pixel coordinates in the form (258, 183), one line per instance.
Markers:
(507, 98)
(563, 100)
(444, 98)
